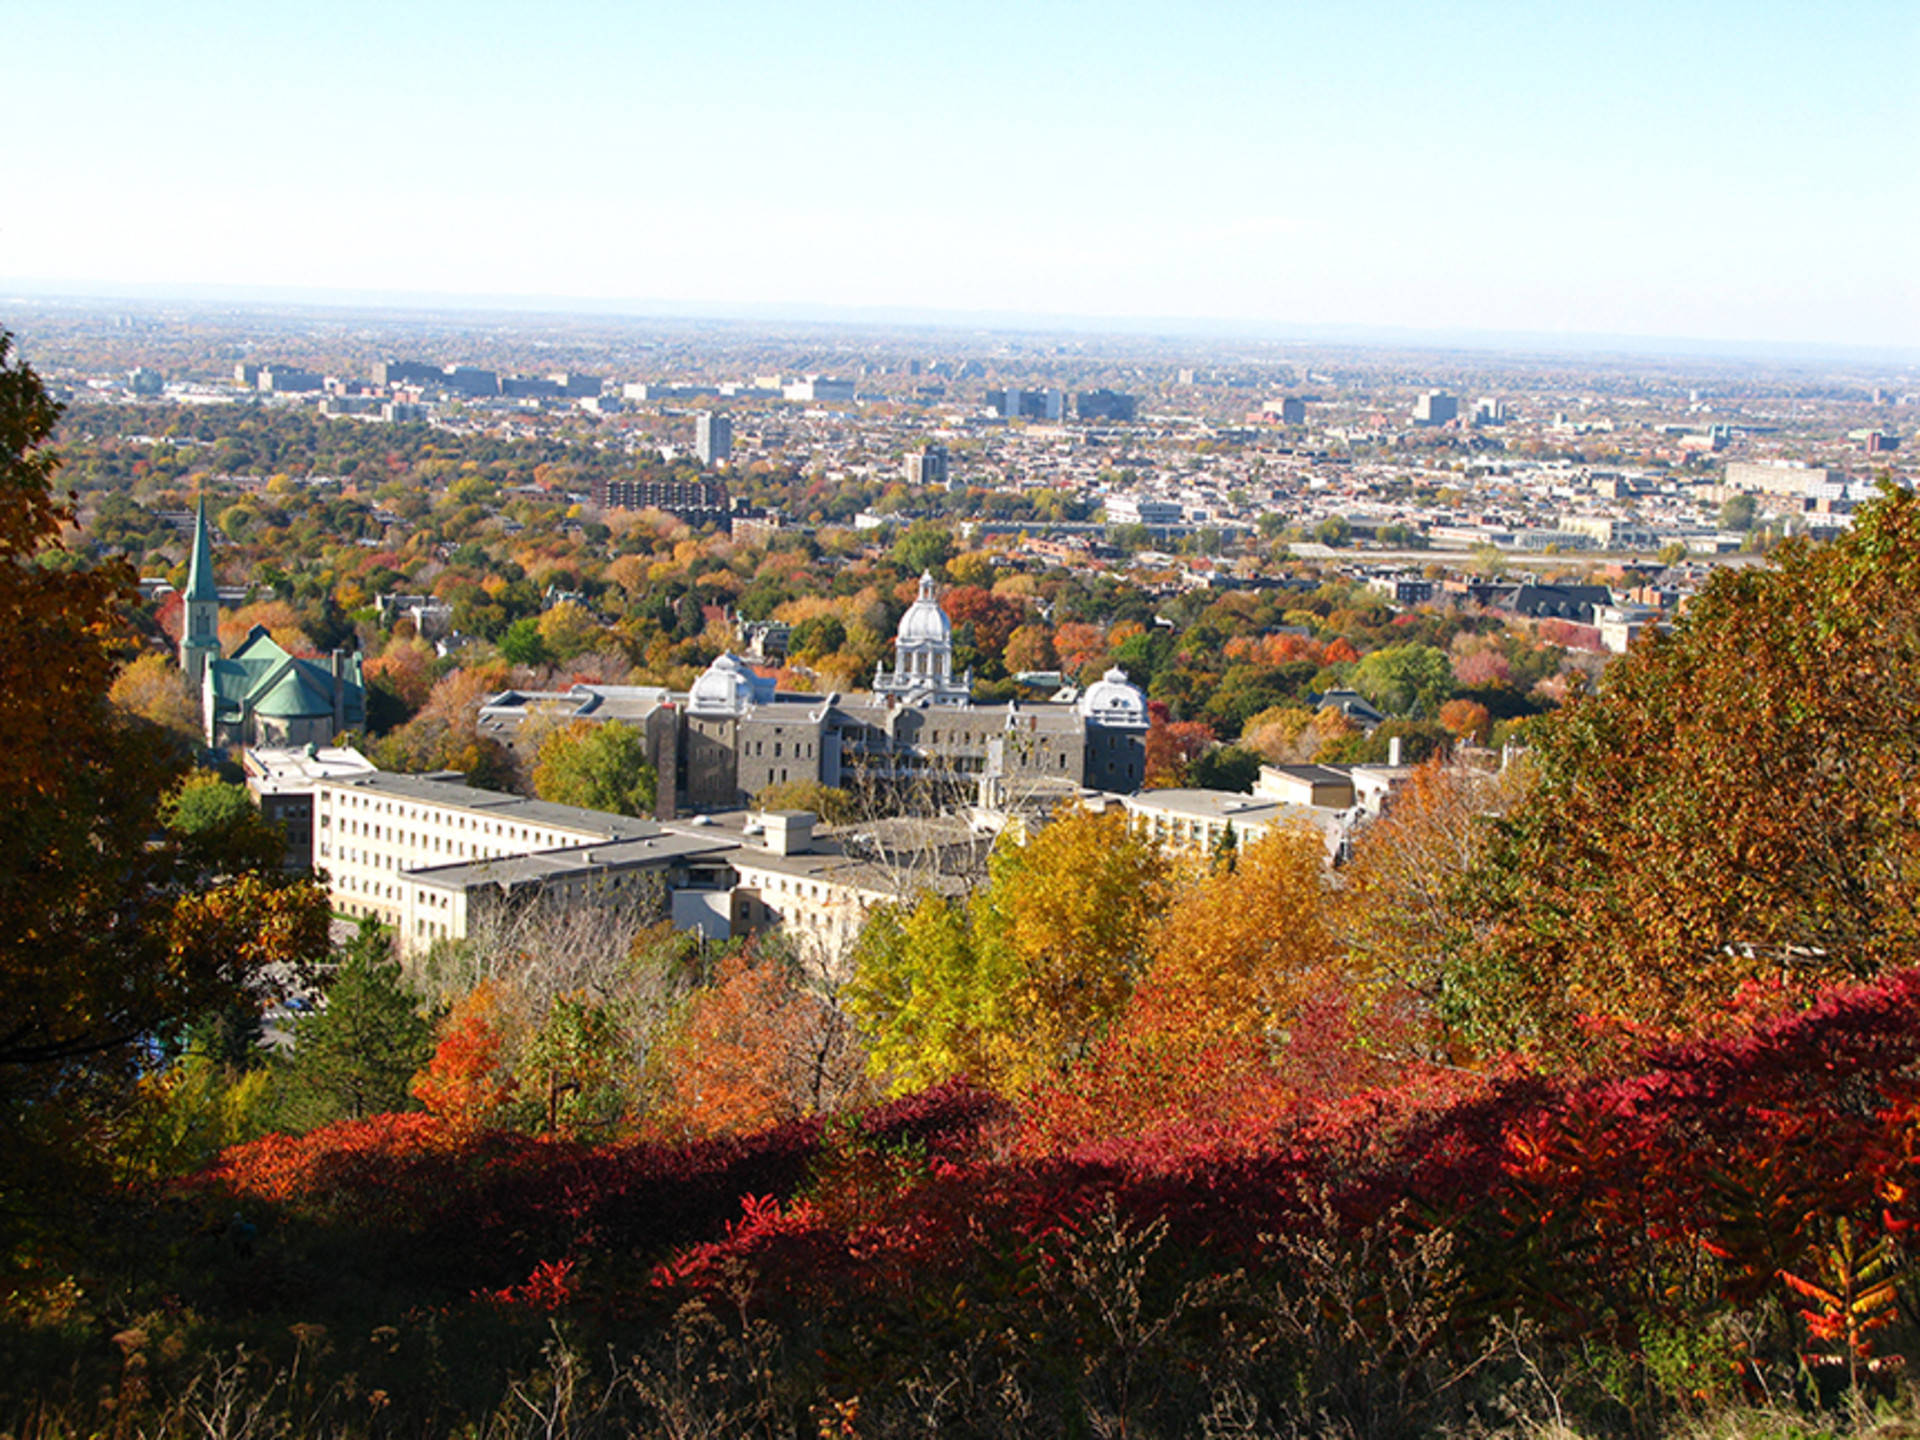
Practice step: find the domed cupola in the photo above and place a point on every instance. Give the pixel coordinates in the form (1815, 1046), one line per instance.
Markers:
(1114, 703)
(923, 656)
(726, 687)
(925, 623)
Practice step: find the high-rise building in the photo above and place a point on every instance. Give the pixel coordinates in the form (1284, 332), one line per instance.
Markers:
(1436, 407)
(1106, 405)
(931, 466)
(713, 437)
(1012, 404)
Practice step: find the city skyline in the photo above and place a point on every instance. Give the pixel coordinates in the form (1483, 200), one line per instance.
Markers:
(1710, 173)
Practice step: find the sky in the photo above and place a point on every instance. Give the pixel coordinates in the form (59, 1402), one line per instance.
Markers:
(1687, 168)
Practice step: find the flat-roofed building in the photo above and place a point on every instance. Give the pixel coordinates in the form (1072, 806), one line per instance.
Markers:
(1779, 477)
(1197, 822)
(283, 781)
(421, 853)
(1325, 787)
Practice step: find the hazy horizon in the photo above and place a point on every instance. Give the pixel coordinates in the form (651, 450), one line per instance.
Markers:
(399, 305)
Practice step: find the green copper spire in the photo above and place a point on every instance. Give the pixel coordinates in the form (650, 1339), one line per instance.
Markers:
(200, 584)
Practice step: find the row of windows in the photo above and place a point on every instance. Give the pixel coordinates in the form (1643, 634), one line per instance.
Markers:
(432, 815)
(759, 749)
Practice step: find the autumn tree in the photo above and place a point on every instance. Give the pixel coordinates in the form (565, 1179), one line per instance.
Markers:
(152, 687)
(919, 993)
(445, 735)
(1733, 801)
(1401, 904)
(757, 1048)
(597, 766)
(109, 933)
(468, 1081)
(1025, 978)
(983, 623)
(1030, 647)
(1467, 721)
(1172, 746)
(1081, 648)
(1238, 954)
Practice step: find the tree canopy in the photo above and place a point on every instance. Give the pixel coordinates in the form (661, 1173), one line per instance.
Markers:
(598, 766)
(1734, 802)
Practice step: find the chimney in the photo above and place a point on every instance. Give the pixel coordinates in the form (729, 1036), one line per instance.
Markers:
(1393, 750)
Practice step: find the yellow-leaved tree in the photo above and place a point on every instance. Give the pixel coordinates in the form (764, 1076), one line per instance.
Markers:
(1022, 981)
(1240, 952)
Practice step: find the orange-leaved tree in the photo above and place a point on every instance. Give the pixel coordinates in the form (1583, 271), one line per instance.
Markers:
(468, 1082)
(1239, 953)
(754, 1049)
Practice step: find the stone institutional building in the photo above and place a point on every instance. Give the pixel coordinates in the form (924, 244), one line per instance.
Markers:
(260, 695)
(733, 734)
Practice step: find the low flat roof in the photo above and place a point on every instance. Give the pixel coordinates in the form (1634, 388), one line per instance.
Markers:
(543, 866)
(1217, 805)
(457, 795)
(273, 770)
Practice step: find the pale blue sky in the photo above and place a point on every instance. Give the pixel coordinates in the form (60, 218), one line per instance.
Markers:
(1717, 170)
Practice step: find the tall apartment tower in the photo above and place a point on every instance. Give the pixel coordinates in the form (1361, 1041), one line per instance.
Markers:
(713, 437)
(931, 466)
(200, 627)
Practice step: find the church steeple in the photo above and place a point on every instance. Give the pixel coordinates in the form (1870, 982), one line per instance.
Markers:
(200, 630)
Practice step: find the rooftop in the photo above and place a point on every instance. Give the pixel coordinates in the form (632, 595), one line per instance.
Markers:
(455, 794)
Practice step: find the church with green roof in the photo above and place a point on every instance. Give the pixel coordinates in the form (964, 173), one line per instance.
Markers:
(261, 694)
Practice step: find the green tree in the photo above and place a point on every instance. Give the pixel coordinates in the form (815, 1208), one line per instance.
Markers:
(1225, 767)
(1738, 512)
(523, 644)
(926, 545)
(220, 826)
(597, 766)
(1334, 530)
(571, 1068)
(356, 1055)
(1405, 679)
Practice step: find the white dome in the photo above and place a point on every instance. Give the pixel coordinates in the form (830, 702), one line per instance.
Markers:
(925, 623)
(1111, 700)
(724, 688)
